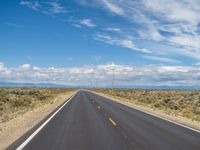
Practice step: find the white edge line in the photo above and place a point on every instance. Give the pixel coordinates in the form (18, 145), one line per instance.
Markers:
(118, 101)
(42, 126)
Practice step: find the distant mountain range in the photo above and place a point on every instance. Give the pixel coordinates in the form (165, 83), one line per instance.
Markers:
(50, 85)
(162, 87)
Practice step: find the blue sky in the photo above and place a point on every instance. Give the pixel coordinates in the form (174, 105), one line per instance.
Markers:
(141, 42)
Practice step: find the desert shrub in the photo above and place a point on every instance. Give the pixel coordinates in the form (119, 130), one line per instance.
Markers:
(196, 107)
(34, 92)
(157, 105)
(182, 102)
(16, 100)
(20, 103)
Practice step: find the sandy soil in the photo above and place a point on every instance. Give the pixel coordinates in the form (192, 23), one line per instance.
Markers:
(15, 128)
(159, 113)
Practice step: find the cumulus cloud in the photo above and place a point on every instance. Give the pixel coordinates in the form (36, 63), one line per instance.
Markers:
(124, 75)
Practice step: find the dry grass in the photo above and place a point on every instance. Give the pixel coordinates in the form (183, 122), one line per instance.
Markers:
(15, 101)
(26, 107)
(184, 103)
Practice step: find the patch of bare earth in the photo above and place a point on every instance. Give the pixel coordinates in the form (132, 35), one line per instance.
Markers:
(11, 130)
(178, 119)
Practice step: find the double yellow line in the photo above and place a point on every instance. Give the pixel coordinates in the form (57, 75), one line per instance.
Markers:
(99, 107)
(109, 118)
(112, 121)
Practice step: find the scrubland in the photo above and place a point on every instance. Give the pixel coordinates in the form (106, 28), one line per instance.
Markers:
(23, 108)
(184, 103)
(15, 101)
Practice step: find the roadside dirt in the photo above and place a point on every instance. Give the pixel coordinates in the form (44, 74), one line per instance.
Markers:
(11, 130)
(159, 113)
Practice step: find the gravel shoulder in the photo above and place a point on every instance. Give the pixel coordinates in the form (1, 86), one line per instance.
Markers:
(11, 130)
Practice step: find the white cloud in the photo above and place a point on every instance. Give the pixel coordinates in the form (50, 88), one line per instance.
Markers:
(197, 64)
(87, 22)
(163, 59)
(124, 74)
(2, 66)
(176, 10)
(33, 5)
(14, 25)
(4, 71)
(76, 25)
(187, 41)
(112, 7)
(150, 33)
(55, 8)
(113, 29)
(45, 7)
(168, 22)
(25, 67)
(123, 42)
(126, 42)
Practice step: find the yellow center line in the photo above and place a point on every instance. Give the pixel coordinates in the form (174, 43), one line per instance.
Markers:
(112, 121)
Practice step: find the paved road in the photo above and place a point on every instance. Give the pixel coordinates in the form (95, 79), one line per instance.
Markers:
(91, 122)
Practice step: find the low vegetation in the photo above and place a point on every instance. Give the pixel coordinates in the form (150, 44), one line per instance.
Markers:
(185, 103)
(14, 101)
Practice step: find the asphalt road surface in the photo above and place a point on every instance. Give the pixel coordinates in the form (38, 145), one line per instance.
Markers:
(91, 122)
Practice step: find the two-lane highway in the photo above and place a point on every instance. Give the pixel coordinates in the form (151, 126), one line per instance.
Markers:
(92, 122)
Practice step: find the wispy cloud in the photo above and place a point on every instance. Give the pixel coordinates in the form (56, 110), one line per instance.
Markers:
(79, 23)
(126, 42)
(163, 59)
(33, 5)
(172, 23)
(76, 25)
(167, 22)
(113, 29)
(87, 22)
(112, 7)
(55, 8)
(45, 7)
(14, 25)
